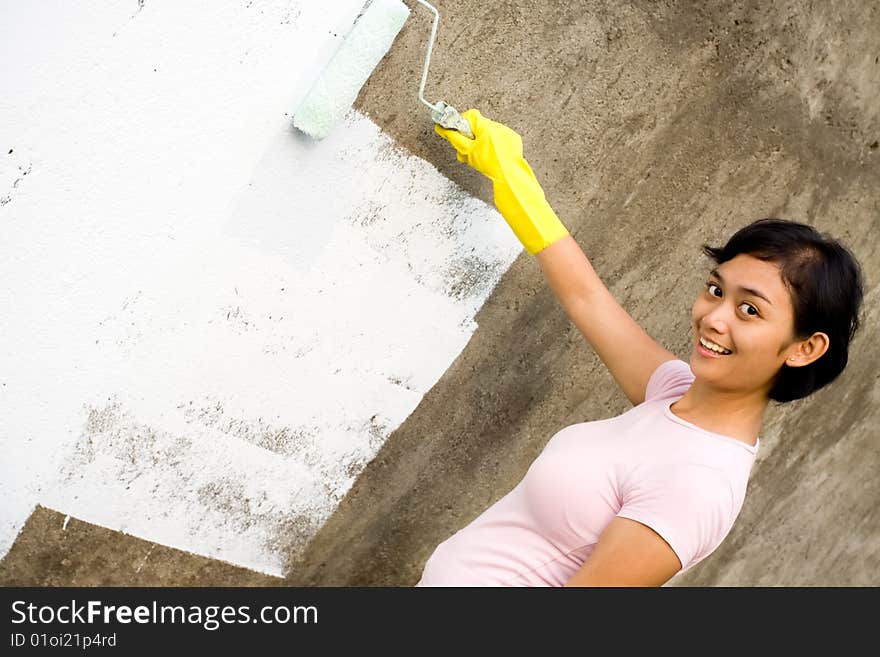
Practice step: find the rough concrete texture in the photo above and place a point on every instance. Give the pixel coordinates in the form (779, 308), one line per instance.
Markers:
(653, 127)
(54, 550)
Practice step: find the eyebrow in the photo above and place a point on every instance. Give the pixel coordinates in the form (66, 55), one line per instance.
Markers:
(751, 291)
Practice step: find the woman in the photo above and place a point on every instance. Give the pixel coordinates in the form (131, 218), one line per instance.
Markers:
(633, 500)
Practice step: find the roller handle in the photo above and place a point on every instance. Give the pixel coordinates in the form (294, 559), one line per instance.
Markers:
(448, 117)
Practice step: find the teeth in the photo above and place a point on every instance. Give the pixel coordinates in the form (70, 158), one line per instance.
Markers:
(713, 346)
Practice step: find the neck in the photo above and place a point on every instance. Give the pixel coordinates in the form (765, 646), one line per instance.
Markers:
(733, 414)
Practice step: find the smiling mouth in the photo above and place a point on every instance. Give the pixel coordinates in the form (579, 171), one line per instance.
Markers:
(705, 350)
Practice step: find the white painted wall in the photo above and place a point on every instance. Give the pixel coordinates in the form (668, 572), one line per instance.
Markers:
(211, 323)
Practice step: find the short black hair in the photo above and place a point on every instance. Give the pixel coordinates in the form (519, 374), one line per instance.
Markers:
(825, 283)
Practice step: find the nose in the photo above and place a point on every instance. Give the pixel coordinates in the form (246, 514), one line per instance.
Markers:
(716, 319)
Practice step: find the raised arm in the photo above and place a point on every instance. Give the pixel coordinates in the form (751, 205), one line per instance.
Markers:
(629, 353)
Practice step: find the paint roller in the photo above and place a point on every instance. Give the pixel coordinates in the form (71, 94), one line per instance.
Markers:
(369, 39)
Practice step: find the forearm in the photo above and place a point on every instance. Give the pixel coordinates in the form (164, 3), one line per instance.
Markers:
(569, 272)
(520, 200)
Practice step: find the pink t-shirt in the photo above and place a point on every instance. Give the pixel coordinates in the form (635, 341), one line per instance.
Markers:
(686, 483)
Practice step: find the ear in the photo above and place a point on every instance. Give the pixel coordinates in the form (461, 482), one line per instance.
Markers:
(807, 351)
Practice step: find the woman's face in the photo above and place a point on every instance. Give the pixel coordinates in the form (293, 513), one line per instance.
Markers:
(744, 307)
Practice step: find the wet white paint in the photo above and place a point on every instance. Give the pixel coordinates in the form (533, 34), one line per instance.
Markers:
(211, 323)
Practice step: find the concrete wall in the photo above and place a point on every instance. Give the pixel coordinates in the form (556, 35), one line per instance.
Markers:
(653, 126)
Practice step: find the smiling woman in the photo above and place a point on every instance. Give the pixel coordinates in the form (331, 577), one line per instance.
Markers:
(817, 284)
(633, 500)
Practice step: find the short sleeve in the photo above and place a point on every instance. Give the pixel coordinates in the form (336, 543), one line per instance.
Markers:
(672, 378)
(691, 507)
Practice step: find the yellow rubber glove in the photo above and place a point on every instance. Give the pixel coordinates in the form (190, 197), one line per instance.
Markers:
(497, 153)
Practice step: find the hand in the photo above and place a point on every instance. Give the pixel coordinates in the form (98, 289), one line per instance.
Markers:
(493, 147)
(497, 152)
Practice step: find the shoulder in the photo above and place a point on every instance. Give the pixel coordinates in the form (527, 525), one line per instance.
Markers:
(670, 379)
(694, 485)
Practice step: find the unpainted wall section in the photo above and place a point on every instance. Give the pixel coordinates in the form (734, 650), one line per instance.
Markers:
(654, 127)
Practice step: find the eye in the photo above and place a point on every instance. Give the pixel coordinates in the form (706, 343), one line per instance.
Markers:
(750, 310)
